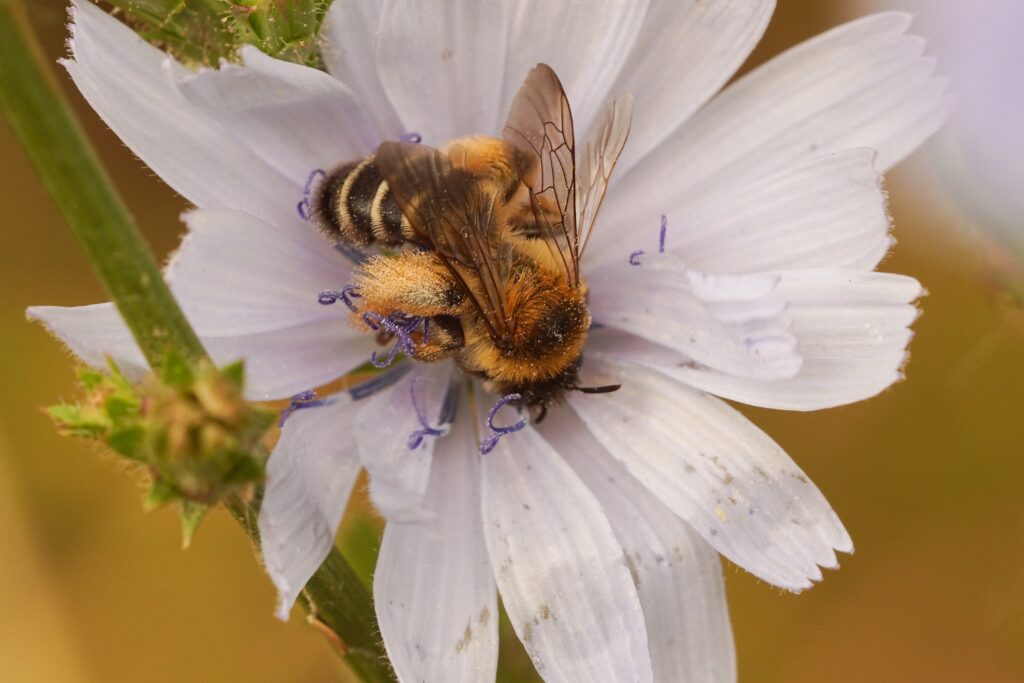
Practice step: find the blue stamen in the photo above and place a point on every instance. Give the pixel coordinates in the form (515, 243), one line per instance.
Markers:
(416, 438)
(368, 318)
(634, 258)
(488, 444)
(388, 360)
(347, 293)
(305, 207)
(379, 382)
(300, 401)
(402, 327)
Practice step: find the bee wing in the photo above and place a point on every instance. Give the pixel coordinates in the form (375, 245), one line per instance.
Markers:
(540, 126)
(456, 216)
(600, 153)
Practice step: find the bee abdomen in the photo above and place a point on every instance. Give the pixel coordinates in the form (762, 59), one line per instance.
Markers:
(353, 204)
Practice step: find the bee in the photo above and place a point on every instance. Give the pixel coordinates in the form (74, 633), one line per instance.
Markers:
(495, 229)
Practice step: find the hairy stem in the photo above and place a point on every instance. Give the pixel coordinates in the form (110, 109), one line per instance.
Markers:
(335, 598)
(337, 603)
(82, 190)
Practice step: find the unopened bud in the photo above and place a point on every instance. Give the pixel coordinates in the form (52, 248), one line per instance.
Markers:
(192, 429)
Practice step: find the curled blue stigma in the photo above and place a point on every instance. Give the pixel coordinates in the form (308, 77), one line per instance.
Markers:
(347, 293)
(304, 207)
(634, 258)
(402, 327)
(488, 444)
(416, 438)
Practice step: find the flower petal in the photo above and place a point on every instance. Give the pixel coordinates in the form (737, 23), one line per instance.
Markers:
(310, 476)
(282, 363)
(386, 431)
(348, 44)
(715, 469)
(863, 84)
(234, 274)
(733, 323)
(433, 586)
(827, 211)
(586, 43)
(677, 574)
(278, 363)
(294, 117)
(441, 65)
(684, 53)
(852, 329)
(560, 570)
(129, 84)
(250, 291)
(94, 333)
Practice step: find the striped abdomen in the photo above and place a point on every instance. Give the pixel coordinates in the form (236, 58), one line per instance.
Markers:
(353, 204)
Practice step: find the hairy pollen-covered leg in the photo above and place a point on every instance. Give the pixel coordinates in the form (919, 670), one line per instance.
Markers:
(415, 284)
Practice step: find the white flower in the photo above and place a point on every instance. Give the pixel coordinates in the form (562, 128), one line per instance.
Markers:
(598, 527)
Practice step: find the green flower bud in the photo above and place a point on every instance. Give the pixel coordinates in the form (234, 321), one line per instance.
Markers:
(191, 428)
(203, 32)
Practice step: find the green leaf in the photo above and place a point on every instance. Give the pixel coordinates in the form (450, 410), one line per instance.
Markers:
(192, 515)
(128, 441)
(247, 469)
(64, 414)
(89, 377)
(121, 406)
(235, 373)
(159, 494)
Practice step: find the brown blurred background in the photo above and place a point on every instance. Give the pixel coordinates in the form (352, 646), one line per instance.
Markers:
(927, 478)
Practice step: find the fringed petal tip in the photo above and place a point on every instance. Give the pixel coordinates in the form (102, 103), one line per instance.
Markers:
(285, 601)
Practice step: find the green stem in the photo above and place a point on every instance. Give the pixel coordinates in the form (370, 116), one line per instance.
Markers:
(336, 600)
(55, 142)
(80, 186)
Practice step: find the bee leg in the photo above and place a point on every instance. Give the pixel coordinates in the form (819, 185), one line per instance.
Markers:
(415, 283)
(442, 337)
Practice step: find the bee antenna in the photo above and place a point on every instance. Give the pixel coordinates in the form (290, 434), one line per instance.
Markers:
(606, 389)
